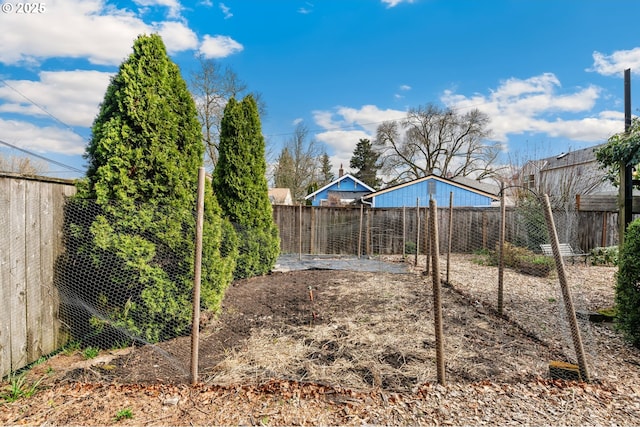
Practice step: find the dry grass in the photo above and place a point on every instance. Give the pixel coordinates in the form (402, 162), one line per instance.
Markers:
(385, 339)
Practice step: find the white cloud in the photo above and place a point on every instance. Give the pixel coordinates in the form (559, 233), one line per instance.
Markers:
(394, 3)
(72, 97)
(405, 88)
(534, 106)
(226, 11)
(305, 10)
(219, 46)
(106, 33)
(41, 139)
(89, 29)
(616, 63)
(174, 7)
(177, 37)
(345, 126)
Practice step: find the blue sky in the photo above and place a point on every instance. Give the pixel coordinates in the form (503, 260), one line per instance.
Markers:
(549, 73)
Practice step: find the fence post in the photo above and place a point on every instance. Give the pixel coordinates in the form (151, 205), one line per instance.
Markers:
(300, 234)
(195, 321)
(427, 240)
(503, 220)
(360, 231)
(415, 262)
(313, 231)
(437, 304)
(404, 233)
(450, 237)
(566, 295)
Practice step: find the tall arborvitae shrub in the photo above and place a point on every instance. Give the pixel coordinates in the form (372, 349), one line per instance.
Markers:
(240, 185)
(628, 285)
(133, 244)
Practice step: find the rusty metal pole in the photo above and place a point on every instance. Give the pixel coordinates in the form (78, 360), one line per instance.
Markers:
(566, 295)
(437, 303)
(197, 275)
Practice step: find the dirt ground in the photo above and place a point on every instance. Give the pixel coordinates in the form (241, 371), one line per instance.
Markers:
(351, 347)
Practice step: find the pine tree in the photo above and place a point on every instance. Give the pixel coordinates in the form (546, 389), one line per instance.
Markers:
(143, 158)
(365, 159)
(240, 184)
(326, 175)
(284, 175)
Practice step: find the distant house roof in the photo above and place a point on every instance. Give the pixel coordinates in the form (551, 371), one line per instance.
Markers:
(465, 192)
(280, 196)
(577, 157)
(470, 183)
(334, 186)
(488, 190)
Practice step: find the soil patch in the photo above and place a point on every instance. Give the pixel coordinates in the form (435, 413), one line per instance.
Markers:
(352, 347)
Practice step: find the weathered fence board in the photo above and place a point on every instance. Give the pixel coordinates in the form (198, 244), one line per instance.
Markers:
(32, 214)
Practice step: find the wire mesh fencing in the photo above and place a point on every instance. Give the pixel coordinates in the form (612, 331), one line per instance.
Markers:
(500, 261)
(125, 282)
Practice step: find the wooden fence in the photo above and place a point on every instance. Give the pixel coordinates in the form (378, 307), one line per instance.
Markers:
(363, 230)
(31, 221)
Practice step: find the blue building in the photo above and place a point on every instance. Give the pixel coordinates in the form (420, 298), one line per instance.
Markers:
(344, 191)
(466, 192)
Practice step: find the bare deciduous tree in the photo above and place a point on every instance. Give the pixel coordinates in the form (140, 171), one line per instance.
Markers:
(22, 165)
(299, 164)
(212, 86)
(434, 140)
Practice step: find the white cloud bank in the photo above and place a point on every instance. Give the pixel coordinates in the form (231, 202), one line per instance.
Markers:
(72, 97)
(534, 105)
(102, 34)
(616, 63)
(517, 106)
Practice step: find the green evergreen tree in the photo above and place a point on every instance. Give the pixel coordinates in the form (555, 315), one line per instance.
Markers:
(240, 184)
(284, 175)
(365, 159)
(139, 235)
(628, 285)
(326, 175)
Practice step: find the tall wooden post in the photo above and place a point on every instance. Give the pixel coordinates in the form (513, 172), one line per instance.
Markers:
(415, 264)
(450, 237)
(566, 294)
(437, 302)
(197, 275)
(300, 233)
(503, 221)
(625, 195)
(360, 231)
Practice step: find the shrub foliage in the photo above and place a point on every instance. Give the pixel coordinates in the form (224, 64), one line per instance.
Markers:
(136, 236)
(628, 285)
(240, 185)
